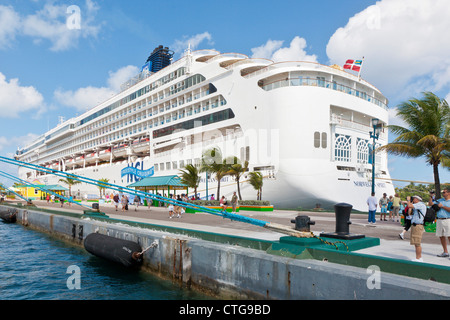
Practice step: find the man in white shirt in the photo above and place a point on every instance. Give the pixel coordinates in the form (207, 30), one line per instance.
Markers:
(372, 202)
(443, 219)
(417, 229)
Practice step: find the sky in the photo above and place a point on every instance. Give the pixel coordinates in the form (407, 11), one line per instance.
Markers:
(61, 58)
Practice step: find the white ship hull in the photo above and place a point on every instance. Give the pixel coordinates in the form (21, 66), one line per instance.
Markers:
(304, 126)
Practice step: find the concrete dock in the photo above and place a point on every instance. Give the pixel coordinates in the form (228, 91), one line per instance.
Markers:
(230, 259)
(391, 246)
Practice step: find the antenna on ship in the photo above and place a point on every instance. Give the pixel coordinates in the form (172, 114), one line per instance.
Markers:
(188, 54)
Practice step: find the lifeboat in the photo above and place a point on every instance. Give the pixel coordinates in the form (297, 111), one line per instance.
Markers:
(78, 160)
(120, 150)
(105, 154)
(141, 145)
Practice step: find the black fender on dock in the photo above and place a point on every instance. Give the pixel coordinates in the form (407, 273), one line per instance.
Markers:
(8, 215)
(117, 250)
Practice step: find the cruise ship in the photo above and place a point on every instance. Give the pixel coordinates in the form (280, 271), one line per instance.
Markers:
(306, 127)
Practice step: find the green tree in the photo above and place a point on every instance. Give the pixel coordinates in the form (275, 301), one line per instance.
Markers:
(70, 182)
(190, 177)
(102, 186)
(256, 180)
(428, 120)
(212, 162)
(236, 170)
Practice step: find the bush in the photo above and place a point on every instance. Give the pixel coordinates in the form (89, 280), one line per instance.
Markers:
(254, 203)
(216, 203)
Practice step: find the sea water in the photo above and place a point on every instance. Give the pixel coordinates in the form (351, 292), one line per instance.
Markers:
(35, 266)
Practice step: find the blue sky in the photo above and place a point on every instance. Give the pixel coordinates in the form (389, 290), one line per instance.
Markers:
(49, 69)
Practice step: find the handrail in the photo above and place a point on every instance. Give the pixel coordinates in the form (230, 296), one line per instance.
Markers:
(322, 83)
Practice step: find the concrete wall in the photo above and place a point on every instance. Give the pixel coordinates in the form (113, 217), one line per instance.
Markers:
(231, 271)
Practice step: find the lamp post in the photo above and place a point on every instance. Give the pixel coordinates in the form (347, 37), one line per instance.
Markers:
(376, 125)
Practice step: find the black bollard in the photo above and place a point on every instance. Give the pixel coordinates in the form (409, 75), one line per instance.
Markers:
(342, 212)
(302, 223)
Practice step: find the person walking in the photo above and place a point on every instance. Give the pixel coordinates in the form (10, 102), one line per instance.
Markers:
(442, 219)
(137, 202)
(116, 200)
(396, 207)
(417, 220)
(124, 202)
(383, 206)
(234, 200)
(171, 209)
(372, 202)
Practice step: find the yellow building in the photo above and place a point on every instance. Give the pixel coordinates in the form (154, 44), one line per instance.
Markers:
(38, 192)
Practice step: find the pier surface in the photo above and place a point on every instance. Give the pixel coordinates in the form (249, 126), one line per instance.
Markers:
(391, 246)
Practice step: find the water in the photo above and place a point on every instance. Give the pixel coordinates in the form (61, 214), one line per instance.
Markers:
(33, 266)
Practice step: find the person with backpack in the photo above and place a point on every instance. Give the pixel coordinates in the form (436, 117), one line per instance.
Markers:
(417, 224)
(442, 219)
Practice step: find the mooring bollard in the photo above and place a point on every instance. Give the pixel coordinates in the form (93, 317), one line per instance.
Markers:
(302, 223)
(342, 212)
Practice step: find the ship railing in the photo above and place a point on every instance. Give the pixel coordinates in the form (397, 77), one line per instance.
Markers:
(337, 120)
(322, 83)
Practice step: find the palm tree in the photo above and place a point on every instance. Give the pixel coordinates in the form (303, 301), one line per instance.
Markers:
(102, 186)
(212, 162)
(70, 182)
(428, 133)
(190, 177)
(236, 169)
(256, 180)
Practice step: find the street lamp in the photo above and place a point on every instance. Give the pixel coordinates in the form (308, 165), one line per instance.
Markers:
(376, 125)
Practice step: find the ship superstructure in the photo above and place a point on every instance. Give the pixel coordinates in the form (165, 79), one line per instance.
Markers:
(305, 126)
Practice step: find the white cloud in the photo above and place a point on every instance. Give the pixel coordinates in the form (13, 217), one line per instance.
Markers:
(9, 25)
(86, 98)
(405, 45)
(119, 77)
(193, 41)
(273, 50)
(50, 23)
(15, 99)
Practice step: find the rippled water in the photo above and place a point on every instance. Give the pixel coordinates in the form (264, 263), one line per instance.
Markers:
(33, 266)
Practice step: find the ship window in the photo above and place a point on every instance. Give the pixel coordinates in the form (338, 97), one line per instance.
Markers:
(320, 139)
(324, 140)
(342, 148)
(316, 139)
(190, 124)
(362, 146)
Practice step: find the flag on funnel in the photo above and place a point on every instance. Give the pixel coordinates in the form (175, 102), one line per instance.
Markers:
(354, 65)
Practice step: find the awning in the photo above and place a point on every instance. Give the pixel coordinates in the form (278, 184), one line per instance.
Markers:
(155, 182)
(54, 187)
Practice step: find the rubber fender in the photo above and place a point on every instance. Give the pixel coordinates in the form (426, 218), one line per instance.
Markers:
(113, 249)
(8, 215)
